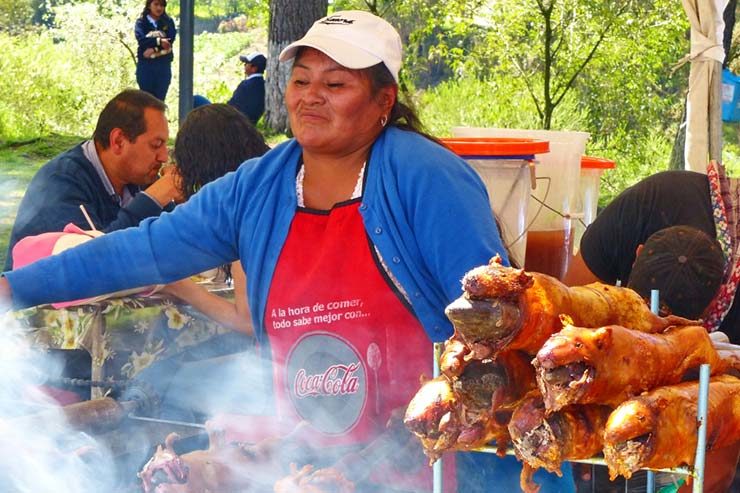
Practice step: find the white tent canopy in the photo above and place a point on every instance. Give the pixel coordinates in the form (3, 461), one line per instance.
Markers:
(703, 107)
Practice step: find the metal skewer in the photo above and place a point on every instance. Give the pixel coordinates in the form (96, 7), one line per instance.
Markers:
(437, 467)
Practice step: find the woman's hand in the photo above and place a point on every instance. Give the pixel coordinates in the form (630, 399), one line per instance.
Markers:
(150, 53)
(168, 187)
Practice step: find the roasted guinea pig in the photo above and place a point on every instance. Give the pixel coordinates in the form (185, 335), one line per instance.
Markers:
(575, 432)
(658, 429)
(610, 364)
(472, 409)
(222, 467)
(503, 307)
(308, 480)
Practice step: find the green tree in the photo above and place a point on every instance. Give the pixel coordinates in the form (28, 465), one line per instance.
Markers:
(15, 15)
(550, 44)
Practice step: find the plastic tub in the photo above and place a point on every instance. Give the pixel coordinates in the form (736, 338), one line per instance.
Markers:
(554, 200)
(505, 166)
(591, 170)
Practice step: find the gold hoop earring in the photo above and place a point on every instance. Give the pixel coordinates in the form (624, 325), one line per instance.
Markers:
(383, 120)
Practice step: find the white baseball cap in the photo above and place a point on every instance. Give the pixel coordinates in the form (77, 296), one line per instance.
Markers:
(354, 39)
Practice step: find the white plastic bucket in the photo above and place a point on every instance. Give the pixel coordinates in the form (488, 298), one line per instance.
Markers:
(554, 200)
(504, 165)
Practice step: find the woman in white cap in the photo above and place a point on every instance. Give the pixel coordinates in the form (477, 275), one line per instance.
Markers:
(354, 236)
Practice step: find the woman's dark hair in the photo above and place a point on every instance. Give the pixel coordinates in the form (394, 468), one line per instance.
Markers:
(402, 115)
(213, 140)
(147, 8)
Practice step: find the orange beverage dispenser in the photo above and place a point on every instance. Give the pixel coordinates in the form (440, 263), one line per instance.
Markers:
(554, 201)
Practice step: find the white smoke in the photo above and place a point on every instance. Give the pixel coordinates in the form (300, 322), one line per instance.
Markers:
(41, 455)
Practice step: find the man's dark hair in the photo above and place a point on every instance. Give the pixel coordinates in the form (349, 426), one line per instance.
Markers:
(684, 264)
(125, 111)
(213, 140)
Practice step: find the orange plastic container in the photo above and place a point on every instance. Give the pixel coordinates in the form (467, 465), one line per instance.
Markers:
(496, 148)
(591, 170)
(588, 191)
(505, 166)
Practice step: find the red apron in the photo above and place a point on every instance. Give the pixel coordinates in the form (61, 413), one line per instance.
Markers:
(346, 347)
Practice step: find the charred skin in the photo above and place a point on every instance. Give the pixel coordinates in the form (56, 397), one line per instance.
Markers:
(478, 384)
(495, 281)
(308, 480)
(471, 410)
(545, 441)
(224, 466)
(503, 307)
(454, 358)
(658, 429)
(484, 326)
(431, 409)
(610, 364)
(630, 437)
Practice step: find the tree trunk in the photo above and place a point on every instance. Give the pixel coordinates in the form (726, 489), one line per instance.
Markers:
(678, 160)
(289, 20)
(729, 17)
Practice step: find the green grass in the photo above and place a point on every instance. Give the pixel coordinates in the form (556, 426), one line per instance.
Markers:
(18, 163)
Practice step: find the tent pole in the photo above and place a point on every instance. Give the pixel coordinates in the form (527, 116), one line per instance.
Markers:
(187, 14)
(715, 114)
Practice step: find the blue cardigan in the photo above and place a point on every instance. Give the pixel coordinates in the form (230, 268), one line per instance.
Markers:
(425, 209)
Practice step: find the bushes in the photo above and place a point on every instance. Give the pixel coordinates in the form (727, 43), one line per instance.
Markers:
(471, 102)
(39, 92)
(15, 15)
(58, 80)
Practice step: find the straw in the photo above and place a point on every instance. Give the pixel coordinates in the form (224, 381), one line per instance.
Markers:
(87, 217)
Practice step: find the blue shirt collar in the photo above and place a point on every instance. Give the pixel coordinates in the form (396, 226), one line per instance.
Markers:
(91, 153)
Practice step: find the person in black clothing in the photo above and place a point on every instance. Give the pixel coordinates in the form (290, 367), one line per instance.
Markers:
(155, 33)
(670, 198)
(249, 96)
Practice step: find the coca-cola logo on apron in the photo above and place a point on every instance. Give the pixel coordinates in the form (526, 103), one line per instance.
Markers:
(326, 380)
